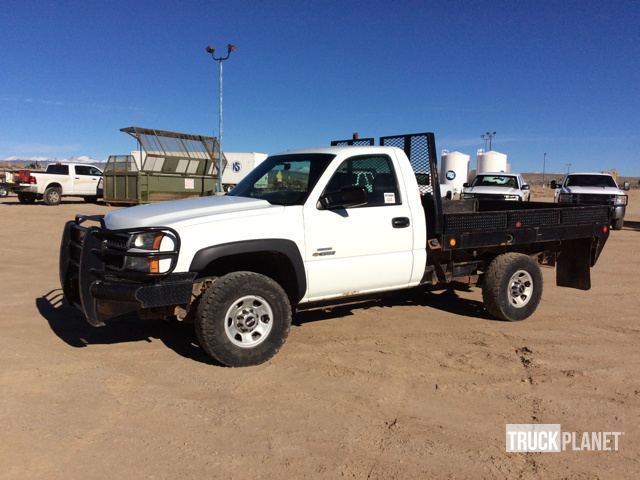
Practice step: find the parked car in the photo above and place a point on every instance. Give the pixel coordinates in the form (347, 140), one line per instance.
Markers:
(497, 186)
(593, 189)
(59, 180)
(304, 229)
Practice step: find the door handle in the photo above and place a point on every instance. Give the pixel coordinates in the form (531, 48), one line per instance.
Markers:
(400, 222)
(77, 178)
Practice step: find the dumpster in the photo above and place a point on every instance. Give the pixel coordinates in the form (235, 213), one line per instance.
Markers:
(166, 166)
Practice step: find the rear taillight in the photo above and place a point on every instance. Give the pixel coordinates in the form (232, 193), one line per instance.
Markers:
(32, 180)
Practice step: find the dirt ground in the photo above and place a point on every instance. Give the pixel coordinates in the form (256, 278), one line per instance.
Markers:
(417, 386)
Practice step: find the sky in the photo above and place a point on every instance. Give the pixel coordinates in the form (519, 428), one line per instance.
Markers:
(559, 77)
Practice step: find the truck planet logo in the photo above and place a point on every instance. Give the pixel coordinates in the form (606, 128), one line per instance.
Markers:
(450, 175)
(236, 166)
(538, 437)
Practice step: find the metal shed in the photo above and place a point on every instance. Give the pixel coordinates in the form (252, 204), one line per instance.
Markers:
(168, 165)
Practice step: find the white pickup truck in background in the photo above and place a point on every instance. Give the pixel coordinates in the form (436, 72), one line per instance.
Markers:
(60, 180)
(498, 186)
(593, 189)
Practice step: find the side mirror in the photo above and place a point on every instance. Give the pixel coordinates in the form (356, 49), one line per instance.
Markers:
(466, 185)
(526, 187)
(554, 184)
(626, 186)
(347, 197)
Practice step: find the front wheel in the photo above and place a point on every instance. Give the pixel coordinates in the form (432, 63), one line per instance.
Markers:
(618, 223)
(3, 192)
(512, 287)
(243, 319)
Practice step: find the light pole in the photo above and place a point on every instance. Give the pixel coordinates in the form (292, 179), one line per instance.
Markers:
(544, 165)
(211, 50)
(488, 136)
(568, 165)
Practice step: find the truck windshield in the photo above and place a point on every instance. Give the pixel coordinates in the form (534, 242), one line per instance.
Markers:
(495, 181)
(590, 181)
(284, 179)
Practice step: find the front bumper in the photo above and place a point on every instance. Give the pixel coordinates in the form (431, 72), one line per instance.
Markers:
(93, 280)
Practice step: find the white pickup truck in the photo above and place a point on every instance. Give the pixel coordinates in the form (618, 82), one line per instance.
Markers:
(593, 189)
(497, 186)
(60, 180)
(313, 227)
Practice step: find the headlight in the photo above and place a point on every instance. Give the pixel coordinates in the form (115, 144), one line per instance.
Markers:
(467, 195)
(512, 197)
(620, 200)
(565, 198)
(148, 243)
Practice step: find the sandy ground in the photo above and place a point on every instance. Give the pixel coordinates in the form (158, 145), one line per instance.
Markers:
(417, 386)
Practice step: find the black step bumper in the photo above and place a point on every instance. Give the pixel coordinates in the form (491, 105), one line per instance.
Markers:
(93, 280)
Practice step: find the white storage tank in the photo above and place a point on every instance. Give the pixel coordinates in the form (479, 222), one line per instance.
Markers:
(491, 161)
(454, 170)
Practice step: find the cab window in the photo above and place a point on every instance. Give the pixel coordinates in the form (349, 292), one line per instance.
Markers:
(372, 172)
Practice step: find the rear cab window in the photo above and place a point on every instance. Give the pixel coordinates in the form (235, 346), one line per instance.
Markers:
(58, 169)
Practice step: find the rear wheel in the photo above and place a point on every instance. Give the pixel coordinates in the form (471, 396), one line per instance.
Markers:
(243, 319)
(512, 287)
(3, 192)
(52, 196)
(26, 198)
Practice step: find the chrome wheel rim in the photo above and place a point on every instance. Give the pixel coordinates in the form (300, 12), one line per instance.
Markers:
(248, 321)
(520, 289)
(53, 196)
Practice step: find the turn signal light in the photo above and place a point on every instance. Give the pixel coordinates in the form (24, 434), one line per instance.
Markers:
(452, 242)
(605, 229)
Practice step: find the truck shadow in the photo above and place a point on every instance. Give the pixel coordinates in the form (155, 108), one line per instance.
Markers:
(447, 301)
(71, 327)
(631, 225)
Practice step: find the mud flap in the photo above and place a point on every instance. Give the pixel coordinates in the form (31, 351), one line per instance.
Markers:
(574, 264)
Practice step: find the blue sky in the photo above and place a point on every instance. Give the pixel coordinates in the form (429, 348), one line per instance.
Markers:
(559, 77)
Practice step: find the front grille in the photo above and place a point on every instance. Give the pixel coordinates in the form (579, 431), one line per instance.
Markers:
(593, 199)
(489, 196)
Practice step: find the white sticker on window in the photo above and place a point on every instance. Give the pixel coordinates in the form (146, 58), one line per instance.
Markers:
(389, 197)
(189, 184)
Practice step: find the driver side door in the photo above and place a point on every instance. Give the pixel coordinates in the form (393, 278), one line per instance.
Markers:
(359, 249)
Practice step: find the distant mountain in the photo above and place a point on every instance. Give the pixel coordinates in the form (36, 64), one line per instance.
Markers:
(80, 159)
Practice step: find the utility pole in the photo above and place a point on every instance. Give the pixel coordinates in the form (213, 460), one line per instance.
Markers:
(211, 50)
(488, 136)
(568, 165)
(544, 165)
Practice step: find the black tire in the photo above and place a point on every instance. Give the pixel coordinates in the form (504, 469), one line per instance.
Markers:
(3, 192)
(212, 324)
(618, 224)
(26, 198)
(52, 196)
(502, 277)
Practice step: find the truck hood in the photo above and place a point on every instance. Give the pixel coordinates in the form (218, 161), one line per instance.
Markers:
(493, 190)
(593, 190)
(165, 214)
